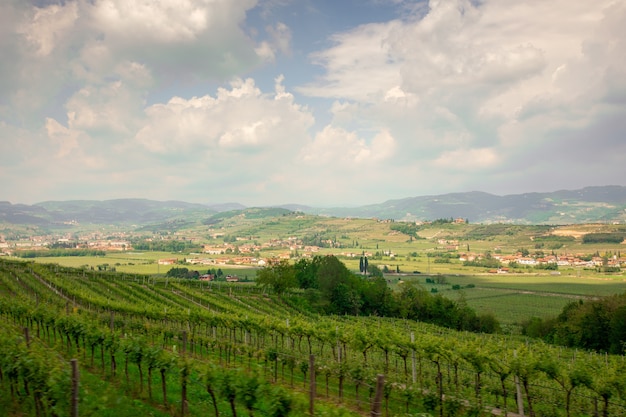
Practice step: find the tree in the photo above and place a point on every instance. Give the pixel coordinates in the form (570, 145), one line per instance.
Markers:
(280, 277)
(182, 273)
(617, 336)
(306, 272)
(377, 297)
(411, 300)
(331, 273)
(375, 271)
(363, 265)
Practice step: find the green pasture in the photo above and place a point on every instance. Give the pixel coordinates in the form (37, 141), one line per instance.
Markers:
(512, 307)
(565, 285)
(510, 297)
(145, 263)
(513, 298)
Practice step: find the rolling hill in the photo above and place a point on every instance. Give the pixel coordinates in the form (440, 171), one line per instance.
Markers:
(586, 205)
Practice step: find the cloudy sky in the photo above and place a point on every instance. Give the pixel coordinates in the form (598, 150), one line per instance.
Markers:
(318, 102)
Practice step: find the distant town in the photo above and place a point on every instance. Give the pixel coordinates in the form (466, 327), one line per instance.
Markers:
(246, 252)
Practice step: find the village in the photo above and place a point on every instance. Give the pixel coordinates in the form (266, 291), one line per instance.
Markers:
(246, 251)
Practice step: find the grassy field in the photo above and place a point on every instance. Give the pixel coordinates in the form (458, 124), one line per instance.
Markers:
(516, 298)
(511, 297)
(142, 263)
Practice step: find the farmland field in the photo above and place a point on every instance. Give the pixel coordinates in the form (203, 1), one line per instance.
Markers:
(512, 298)
(126, 330)
(251, 334)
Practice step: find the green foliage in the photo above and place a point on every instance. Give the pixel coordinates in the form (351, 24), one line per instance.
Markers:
(409, 229)
(306, 272)
(59, 253)
(484, 263)
(538, 328)
(182, 273)
(239, 325)
(549, 266)
(166, 245)
(280, 277)
(414, 302)
(604, 237)
(593, 325)
(554, 238)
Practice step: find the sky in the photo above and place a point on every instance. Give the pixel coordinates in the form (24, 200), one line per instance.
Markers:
(317, 102)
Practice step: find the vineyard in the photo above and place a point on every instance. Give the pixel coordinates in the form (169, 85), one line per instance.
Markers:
(158, 346)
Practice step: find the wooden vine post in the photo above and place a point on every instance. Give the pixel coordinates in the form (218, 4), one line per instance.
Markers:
(312, 386)
(378, 397)
(74, 411)
(413, 359)
(27, 337)
(518, 391)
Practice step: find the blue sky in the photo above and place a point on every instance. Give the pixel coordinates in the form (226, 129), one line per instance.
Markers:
(325, 103)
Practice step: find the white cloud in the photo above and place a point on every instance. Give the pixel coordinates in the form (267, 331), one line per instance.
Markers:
(157, 21)
(74, 44)
(359, 66)
(279, 41)
(64, 139)
(341, 150)
(199, 39)
(464, 86)
(241, 119)
(49, 26)
(467, 159)
(458, 90)
(110, 109)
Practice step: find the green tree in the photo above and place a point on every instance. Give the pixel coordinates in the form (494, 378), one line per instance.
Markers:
(306, 272)
(280, 277)
(377, 297)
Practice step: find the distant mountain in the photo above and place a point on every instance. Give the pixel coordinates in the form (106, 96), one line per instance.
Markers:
(590, 204)
(121, 211)
(22, 214)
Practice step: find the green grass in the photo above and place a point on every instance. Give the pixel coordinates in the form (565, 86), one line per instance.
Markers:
(143, 263)
(511, 297)
(513, 307)
(515, 298)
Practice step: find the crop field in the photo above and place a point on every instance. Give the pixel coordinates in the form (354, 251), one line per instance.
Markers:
(512, 298)
(184, 347)
(514, 307)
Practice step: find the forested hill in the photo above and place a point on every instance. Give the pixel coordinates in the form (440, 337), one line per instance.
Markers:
(587, 205)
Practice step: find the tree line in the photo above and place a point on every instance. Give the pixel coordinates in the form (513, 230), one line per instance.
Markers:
(598, 325)
(59, 252)
(166, 245)
(604, 237)
(327, 286)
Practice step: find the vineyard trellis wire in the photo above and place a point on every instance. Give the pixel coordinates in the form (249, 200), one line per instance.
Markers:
(437, 368)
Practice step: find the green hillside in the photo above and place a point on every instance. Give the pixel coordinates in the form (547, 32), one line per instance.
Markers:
(230, 348)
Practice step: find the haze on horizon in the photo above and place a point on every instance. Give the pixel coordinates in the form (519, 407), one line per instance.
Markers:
(316, 102)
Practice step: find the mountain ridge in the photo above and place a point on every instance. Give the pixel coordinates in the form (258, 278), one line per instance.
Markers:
(585, 205)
